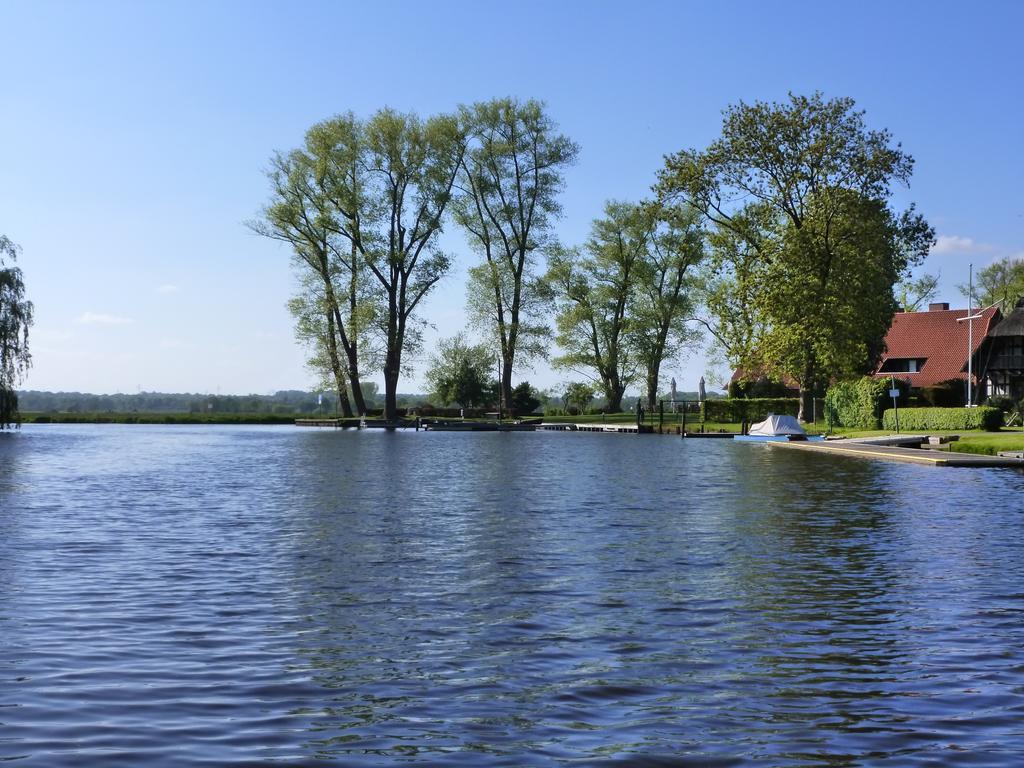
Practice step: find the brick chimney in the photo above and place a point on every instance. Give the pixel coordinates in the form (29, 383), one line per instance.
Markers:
(940, 306)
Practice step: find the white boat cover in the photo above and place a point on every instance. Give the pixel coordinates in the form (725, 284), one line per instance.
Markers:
(777, 425)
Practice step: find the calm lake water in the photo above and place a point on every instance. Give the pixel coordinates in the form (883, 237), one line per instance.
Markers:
(243, 595)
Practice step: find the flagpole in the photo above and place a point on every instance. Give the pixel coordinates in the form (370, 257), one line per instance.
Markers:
(970, 337)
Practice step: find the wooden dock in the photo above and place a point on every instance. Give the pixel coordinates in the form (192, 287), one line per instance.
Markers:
(868, 450)
(592, 427)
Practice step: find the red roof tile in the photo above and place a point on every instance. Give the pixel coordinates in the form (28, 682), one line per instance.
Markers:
(937, 337)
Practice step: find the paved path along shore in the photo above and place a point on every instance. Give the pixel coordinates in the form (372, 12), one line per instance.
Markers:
(895, 453)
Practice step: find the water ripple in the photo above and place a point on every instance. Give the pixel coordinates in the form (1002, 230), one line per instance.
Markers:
(231, 596)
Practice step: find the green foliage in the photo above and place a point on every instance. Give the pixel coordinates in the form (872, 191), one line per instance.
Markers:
(797, 195)
(859, 403)
(290, 402)
(1001, 282)
(594, 292)
(622, 305)
(15, 319)
(913, 294)
(578, 397)
(946, 394)
(335, 306)
(727, 287)
(1004, 404)
(362, 205)
(525, 399)
(511, 177)
(912, 419)
(664, 294)
(460, 373)
(759, 387)
(734, 410)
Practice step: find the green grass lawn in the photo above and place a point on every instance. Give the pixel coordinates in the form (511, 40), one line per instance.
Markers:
(989, 443)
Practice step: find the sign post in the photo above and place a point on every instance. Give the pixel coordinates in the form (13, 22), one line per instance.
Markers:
(895, 394)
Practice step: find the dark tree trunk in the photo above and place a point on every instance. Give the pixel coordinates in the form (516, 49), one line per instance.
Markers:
(357, 389)
(653, 374)
(506, 385)
(391, 392)
(805, 414)
(336, 369)
(615, 398)
(807, 388)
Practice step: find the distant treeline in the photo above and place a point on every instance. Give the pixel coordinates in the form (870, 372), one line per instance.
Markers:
(283, 403)
(289, 402)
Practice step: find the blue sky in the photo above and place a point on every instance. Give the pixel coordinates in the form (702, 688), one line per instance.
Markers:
(134, 138)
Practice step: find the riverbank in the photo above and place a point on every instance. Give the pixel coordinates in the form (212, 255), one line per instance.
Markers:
(979, 442)
(157, 418)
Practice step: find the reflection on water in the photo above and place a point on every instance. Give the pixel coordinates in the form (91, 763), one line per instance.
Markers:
(190, 595)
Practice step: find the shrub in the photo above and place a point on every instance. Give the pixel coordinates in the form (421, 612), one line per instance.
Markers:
(525, 399)
(859, 403)
(736, 409)
(945, 394)
(762, 387)
(985, 417)
(1004, 404)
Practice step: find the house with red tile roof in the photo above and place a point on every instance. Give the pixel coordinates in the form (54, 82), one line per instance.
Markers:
(931, 347)
(927, 348)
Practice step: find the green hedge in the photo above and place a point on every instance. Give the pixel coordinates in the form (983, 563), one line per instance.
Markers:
(912, 419)
(733, 410)
(859, 403)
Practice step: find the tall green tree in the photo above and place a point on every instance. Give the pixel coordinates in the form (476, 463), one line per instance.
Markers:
(580, 395)
(913, 293)
(801, 167)
(727, 289)
(316, 330)
(829, 317)
(388, 182)
(511, 177)
(593, 290)
(15, 319)
(663, 300)
(1001, 282)
(411, 166)
(304, 213)
(461, 372)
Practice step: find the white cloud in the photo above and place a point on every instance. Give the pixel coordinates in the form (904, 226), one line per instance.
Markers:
(167, 288)
(99, 318)
(171, 344)
(958, 244)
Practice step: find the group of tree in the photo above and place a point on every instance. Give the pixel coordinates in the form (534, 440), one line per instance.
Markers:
(805, 248)
(362, 204)
(778, 239)
(622, 301)
(15, 320)
(282, 402)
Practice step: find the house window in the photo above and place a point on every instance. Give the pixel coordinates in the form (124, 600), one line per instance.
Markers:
(903, 365)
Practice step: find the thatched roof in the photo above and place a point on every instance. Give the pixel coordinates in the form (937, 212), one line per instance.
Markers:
(1012, 324)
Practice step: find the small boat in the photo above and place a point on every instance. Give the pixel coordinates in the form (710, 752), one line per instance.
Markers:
(776, 429)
